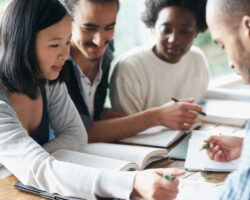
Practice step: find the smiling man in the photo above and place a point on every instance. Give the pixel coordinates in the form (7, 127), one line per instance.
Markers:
(229, 24)
(91, 53)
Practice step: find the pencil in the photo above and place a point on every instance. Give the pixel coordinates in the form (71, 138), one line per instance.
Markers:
(205, 146)
(169, 177)
(199, 112)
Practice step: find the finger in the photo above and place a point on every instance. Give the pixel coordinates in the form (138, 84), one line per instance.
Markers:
(218, 156)
(190, 100)
(173, 172)
(210, 154)
(190, 115)
(212, 138)
(191, 107)
(185, 126)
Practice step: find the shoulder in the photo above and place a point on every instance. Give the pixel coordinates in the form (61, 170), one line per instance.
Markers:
(134, 54)
(133, 60)
(55, 91)
(196, 52)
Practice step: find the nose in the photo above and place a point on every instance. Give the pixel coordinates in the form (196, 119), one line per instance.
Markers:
(65, 53)
(173, 37)
(99, 38)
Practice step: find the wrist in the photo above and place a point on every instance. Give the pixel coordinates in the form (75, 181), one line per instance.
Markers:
(153, 117)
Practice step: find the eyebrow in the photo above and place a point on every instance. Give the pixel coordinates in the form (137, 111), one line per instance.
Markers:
(95, 25)
(169, 24)
(58, 38)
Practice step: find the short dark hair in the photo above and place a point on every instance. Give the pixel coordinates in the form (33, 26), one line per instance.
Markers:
(233, 9)
(19, 68)
(71, 4)
(153, 8)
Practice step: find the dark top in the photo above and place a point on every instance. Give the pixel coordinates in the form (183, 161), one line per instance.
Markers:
(73, 84)
(41, 134)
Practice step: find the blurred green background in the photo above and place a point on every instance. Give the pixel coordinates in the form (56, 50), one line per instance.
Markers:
(130, 32)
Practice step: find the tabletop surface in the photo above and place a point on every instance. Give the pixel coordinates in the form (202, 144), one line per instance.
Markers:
(7, 192)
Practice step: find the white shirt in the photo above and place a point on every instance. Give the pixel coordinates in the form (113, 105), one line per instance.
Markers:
(141, 80)
(88, 89)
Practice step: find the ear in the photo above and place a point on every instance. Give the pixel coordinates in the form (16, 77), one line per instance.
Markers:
(245, 25)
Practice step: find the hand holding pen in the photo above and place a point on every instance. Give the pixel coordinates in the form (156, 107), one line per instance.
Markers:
(224, 148)
(199, 112)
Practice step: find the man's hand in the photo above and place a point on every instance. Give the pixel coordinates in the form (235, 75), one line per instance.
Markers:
(224, 148)
(179, 115)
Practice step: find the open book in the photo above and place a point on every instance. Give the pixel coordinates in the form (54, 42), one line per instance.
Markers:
(113, 156)
(227, 106)
(105, 156)
(198, 160)
(229, 112)
(158, 136)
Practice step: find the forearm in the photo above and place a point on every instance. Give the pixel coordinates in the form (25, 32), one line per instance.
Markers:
(123, 127)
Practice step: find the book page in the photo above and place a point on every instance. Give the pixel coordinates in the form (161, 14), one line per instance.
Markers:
(93, 161)
(199, 161)
(228, 94)
(140, 155)
(198, 190)
(226, 111)
(164, 138)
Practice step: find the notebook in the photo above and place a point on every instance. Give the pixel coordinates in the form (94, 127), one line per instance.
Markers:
(229, 108)
(158, 136)
(199, 161)
(180, 150)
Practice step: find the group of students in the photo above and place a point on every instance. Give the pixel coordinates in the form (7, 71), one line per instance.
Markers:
(55, 60)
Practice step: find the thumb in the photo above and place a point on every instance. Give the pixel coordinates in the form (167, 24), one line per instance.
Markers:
(212, 138)
(190, 100)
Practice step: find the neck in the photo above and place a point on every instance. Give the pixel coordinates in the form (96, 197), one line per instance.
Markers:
(89, 68)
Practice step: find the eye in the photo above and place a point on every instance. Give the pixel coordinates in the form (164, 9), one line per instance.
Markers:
(110, 28)
(165, 30)
(68, 43)
(186, 31)
(89, 28)
(54, 45)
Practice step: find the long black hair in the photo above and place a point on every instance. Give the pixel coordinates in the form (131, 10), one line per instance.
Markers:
(19, 68)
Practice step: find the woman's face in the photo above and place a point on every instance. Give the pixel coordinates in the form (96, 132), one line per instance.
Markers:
(175, 30)
(52, 48)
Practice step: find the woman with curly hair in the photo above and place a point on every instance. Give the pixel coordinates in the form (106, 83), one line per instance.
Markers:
(149, 76)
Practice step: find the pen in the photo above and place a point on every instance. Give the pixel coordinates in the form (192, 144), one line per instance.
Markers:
(169, 177)
(199, 112)
(205, 146)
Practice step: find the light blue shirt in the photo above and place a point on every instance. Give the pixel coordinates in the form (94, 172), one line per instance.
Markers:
(237, 186)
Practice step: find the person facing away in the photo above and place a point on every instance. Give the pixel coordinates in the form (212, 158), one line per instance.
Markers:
(229, 24)
(35, 42)
(149, 76)
(93, 28)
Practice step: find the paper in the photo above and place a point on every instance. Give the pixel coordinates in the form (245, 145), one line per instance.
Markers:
(199, 161)
(198, 190)
(226, 111)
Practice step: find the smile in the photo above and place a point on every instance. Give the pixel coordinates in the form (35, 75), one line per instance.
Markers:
(174, 51)
(57, 69)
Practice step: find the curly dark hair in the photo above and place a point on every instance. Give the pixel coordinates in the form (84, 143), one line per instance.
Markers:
(153, 7)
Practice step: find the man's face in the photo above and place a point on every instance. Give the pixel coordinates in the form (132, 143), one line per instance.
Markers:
(175, 30)
(232, 41)
(93, 28)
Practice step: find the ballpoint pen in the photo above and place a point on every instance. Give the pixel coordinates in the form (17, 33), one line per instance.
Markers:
(199, 112)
